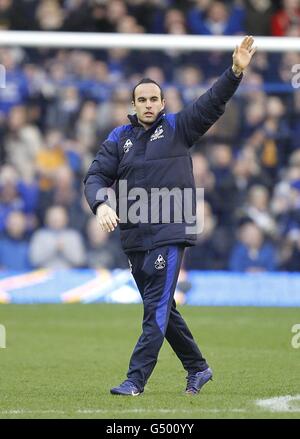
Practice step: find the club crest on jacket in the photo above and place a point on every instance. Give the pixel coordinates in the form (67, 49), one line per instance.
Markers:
(127, 145)
(158, 133)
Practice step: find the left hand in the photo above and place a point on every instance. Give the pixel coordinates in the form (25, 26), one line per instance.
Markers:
(242, 55)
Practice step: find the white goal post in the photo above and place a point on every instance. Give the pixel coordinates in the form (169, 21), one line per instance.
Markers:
(141, 41)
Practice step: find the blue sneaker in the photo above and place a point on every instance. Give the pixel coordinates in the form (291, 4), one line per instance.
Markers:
(127, 388)
(195, 381)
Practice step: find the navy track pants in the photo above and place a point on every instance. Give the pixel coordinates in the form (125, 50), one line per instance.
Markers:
(156, 273)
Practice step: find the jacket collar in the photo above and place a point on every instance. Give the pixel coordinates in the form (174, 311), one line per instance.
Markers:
(135, 122)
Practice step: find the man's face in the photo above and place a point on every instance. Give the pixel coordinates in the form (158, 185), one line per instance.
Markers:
(148, 103)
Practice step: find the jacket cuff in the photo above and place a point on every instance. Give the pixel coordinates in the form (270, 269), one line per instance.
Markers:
(97, 204)
(232, 75)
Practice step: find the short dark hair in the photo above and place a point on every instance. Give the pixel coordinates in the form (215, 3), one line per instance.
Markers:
(147, 81)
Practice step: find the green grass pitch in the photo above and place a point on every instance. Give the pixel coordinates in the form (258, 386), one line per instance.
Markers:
(61, 360)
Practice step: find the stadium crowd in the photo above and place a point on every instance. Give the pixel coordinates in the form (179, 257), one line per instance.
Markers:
(208, 17)
(57, 107)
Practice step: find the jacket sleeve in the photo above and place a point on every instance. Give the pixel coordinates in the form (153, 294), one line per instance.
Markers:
(102, 173)
(195, 119)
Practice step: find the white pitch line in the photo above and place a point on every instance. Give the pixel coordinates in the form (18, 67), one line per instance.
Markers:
(276, 404)
(280, 404)
(103, 411)
(88, 411)
(24, 411)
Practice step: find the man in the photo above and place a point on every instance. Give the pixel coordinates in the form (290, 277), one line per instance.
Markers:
(153, 152)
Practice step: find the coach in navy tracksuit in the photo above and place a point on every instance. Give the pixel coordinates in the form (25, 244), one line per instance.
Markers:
(153, 152)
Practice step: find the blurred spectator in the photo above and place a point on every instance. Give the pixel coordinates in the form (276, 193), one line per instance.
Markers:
(276, 135)
(16, 195)
(50, 158)
(63, 193)
(86, 128)
(115, 109)
(286, 22)
(252, 253)
(227, 128)
(96, 83)
(190, 79)
(118, 62)
(116, 12)
(262, 66)
(286, 210)
(129, 25)
(62, 113)
(290, 255)
(23, 12)
(81, 17)
(285, 203)
(257, 209)
(247, 173)
(224, 198)
(149, 13)
(175, 22)
(102, 251)
(285, 68)
(213, 243)
(6, 14)
(173, 100)
(118, 117)
(155, 73)
(258, 16)
(15, 91)
(216, 18)
(267, 130)
(49, 15)
(23, 141)
(14, 244)
(255, 114)
(57, 246)
(204, 178)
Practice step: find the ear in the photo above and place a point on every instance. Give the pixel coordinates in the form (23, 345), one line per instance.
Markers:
(133, 105)
(163, 104)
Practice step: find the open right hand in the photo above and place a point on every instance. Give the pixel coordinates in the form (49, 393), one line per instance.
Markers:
(107, 218)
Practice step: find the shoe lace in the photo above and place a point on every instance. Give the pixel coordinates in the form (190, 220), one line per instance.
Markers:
(191, 382)
(128, 383)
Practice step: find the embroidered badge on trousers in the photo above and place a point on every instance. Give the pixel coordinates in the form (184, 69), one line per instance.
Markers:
(160, 263)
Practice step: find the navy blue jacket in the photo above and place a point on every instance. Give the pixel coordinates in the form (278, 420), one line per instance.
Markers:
(158, 157)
